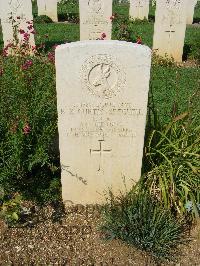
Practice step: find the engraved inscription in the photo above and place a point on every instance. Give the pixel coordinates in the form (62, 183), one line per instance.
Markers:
(102, 76)
(15, 5)
(95, 5)
(102, 120)
(172, 15)
(107, 108)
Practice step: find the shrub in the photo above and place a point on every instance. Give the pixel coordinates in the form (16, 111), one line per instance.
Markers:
(123, 30)
(43, 19)
(28, 123)
(140, 220)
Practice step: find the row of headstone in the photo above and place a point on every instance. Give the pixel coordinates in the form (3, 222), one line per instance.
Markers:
(96, 20)
(139, 9)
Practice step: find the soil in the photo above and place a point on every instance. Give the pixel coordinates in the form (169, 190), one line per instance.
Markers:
(49, 238)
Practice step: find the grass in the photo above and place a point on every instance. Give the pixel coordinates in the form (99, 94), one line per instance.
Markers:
(140, 220)
(173, 85)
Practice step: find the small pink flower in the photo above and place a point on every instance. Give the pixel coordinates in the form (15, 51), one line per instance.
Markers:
(26, 36)
(54, 47)
(21, 31)
(103, 36)
(51, 57)
(24, 67)
(5, 53)
(27, 64)
(139, 40)
(1, 72)
(26, 129)
(30, 27)
(5, 50)
(112, 17)
(33, 32)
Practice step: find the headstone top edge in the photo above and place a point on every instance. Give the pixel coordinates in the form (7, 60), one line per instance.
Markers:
(103, 43)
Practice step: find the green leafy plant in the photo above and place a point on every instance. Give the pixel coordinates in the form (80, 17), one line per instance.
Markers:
(123, 30)
(10, 208)
(174, 154)
(163, 61)
(140, 220)
(43, 19)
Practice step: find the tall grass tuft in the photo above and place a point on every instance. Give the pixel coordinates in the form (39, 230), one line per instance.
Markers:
(139, 219)
(174, 154)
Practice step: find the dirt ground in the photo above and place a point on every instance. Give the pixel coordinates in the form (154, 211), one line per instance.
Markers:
(74, 239)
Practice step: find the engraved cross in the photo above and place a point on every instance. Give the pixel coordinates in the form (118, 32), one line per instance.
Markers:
(170, 31)
(101, 151)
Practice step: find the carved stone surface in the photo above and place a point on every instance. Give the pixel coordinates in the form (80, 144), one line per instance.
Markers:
(139, 9)
(169, 28)
(190, 10)
(95, 19)
(102, 76)
(48, 8)
(102, 105)
(15, 12)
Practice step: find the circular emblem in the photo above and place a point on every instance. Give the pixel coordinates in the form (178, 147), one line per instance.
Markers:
(95, 5)
(102, 76)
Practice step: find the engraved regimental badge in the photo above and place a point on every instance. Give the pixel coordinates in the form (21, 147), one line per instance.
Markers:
(102, 76)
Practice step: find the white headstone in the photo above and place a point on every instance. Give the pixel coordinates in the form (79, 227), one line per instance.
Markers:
(190, 10)
(169, 28)
(102, 93)
(16, 13)
(48, 8)
(139, 9)
(95, 19)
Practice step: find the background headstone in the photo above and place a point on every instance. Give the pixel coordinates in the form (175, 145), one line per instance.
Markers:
(169, 28)
(95, 19)
(190, 10)
(139, 9)
(102, 104)
(18, 13)
(48, 8)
